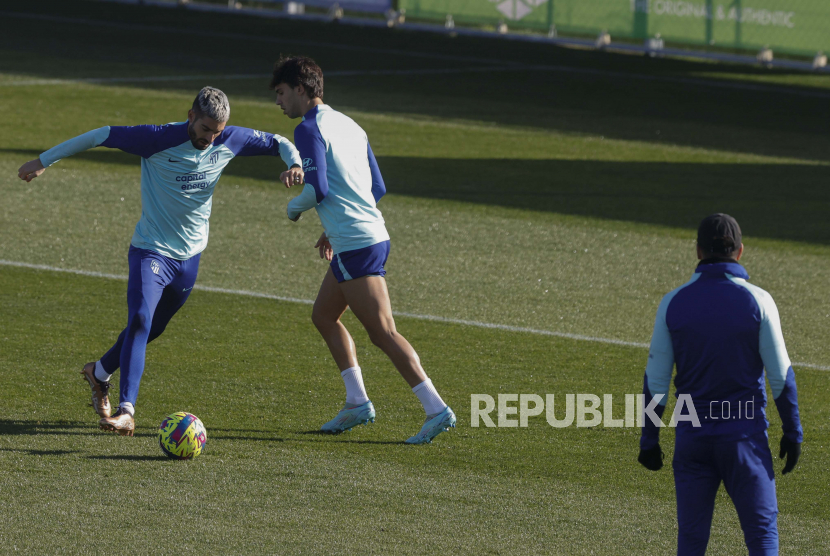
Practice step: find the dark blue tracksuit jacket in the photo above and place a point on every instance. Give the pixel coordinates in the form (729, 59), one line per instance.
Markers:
(721, 332)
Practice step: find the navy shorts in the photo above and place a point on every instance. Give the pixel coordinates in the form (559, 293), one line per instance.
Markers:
(368, 261)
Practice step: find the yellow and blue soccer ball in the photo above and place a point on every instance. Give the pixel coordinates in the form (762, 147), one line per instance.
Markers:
(182, 436)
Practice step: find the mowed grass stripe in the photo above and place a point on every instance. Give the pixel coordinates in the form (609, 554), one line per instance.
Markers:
(333, 73)
(434, 318)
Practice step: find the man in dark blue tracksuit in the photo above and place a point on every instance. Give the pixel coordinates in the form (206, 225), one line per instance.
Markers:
(721, 332)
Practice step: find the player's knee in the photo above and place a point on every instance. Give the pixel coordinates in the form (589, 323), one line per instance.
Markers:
(322, 321)
(139, 323)
(383, 338)
(761, 540)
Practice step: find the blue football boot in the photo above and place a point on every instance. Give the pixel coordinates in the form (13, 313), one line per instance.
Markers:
(433, 426)
(350, 416)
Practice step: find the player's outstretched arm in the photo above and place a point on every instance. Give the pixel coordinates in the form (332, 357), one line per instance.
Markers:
(288, 152)
(243, 141)
(781, 379)
(88, 140)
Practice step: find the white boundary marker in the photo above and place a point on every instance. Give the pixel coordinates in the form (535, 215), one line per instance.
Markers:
(711, 83)
(431, 318)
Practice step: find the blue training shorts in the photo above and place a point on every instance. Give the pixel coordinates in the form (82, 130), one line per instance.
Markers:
(368, 261)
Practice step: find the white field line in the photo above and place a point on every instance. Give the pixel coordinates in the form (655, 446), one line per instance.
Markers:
(711, 83)
(431, 318)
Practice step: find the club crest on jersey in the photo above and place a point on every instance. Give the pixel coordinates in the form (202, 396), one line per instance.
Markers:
(214, 158)
(154, 266)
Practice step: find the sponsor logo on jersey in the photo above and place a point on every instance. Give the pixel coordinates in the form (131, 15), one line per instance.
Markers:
(307, 165)
(195, 180)
(261, 135)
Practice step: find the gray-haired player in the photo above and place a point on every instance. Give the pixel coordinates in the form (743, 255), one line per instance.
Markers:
(180, 166)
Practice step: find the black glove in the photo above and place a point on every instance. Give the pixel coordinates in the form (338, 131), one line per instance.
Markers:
(792, 450)
(652, 458)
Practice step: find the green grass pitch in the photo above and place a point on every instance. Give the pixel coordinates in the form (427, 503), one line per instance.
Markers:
(561, 197)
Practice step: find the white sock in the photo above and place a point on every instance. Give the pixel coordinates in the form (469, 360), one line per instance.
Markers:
(128, 407)
(100, 373)
(429, 398)
(355, 391)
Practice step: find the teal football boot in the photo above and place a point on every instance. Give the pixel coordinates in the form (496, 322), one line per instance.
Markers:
(350, 416)
(433, 426)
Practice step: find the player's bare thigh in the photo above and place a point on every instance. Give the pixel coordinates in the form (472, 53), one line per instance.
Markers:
(330, 303)
(368, 298)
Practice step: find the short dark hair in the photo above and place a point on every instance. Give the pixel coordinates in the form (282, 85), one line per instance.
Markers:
(719, 235)
(299, 70)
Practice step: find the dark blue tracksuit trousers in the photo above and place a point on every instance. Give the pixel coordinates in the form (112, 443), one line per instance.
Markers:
(745, 468)
(158, 286)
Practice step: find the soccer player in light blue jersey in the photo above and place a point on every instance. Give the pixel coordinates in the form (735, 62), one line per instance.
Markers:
(180, 165)
(344, 184)
(724, 335)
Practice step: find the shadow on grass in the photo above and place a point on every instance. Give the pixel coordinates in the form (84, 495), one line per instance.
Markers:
(31, 428)
(18, 427)
(395, 442)
(341, 439)
(213, 436)
(41, 452)
(776, 201)
(253, 435)
(133, 458)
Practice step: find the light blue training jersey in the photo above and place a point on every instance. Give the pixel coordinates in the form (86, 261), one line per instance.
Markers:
(177, 179)
(342, 179)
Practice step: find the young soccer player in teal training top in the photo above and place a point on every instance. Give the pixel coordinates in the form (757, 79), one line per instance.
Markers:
(343, 182)
(180, 165)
